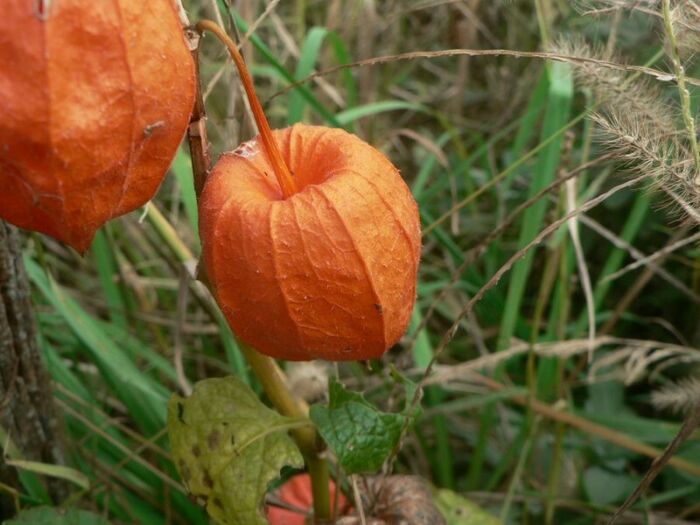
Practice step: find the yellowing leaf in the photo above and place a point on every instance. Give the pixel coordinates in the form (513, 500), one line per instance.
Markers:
(460, 511)
(228, 446)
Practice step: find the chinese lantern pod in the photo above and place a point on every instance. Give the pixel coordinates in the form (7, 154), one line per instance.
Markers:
(297, 493)
(328, 273)
(96, 97)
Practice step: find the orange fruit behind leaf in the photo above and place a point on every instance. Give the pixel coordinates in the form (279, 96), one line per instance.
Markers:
(328, 273)
(96, 96)
(297, 493)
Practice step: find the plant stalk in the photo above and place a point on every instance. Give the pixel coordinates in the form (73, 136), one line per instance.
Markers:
(284, 176)
(272, 380)
(265, 368)
(683, 92)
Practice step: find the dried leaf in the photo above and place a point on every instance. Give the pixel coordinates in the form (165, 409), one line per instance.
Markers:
(397, 500)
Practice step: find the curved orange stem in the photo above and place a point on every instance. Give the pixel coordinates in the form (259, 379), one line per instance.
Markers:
(284, 176)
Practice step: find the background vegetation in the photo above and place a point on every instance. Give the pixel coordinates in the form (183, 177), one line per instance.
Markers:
(531, 410)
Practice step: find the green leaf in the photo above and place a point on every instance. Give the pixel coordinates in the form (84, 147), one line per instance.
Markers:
(56, 516)
(228, 447)
(460, 511)
(361, 436)
(103, 257)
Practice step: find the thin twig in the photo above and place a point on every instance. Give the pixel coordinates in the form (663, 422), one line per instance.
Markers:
(644, 261)
(445, 374)
(481, 246)
(601, 431)
(633, 291)
(692, 421)
(662, 76)
(581, 261)
(636, 254)
(358, 499)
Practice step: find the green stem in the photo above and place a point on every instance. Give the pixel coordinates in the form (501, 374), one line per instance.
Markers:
(320, 488)
(543, 23)
(272, 379)
(273, 382)
(688, 119)
(554, 474)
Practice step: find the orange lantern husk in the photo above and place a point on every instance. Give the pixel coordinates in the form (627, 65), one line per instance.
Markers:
(326, 273)
(296, 492)
(96, 97)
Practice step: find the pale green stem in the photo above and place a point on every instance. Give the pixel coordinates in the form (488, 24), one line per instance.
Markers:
(543, 23)
(675, 56)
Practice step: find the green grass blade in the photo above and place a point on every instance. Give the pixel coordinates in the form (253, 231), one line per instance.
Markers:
(528, 124)
(348, 116)
(103, 258)
(182, 168)
(308, 57)
(52, 471)
(556, 116)
(144, 398)
(422, 355)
